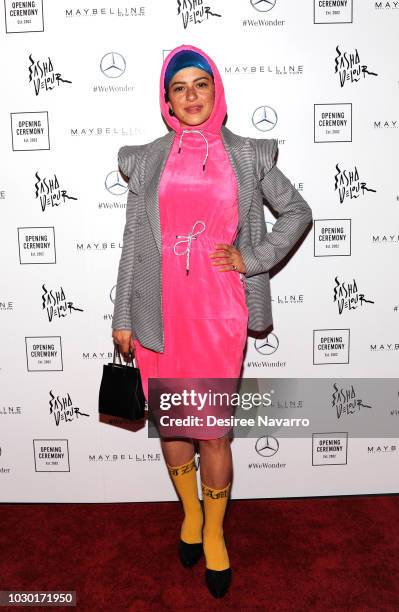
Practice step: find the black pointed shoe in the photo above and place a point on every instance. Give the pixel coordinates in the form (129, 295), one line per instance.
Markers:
(190, 554)
(218, 581)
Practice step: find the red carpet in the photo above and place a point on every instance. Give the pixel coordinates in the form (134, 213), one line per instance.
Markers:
(322, 554)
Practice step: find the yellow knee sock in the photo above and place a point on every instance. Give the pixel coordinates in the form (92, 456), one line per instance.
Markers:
(184, 478)
(215, 502)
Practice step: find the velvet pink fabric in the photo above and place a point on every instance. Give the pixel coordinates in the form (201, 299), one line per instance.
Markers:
(204, 312)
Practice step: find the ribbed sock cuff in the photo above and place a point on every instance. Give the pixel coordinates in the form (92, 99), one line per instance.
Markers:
(215, 493)
(179, 470)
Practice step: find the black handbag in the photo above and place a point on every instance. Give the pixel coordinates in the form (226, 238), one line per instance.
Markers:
(121, 391)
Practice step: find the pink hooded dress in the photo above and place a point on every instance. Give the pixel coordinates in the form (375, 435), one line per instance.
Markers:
(204, 311)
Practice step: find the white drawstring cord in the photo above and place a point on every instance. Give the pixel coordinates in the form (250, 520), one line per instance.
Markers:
(203, 136)
(188, 238)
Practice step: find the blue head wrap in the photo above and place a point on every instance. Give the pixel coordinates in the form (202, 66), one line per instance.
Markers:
(184, 59)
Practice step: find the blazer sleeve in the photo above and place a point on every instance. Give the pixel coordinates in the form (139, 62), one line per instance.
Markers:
(129, 165)
(294, 214)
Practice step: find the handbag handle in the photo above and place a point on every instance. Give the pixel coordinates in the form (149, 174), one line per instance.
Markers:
(120, 363)
(119, 357)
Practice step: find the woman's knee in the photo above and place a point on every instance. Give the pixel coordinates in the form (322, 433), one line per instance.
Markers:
(215, 445)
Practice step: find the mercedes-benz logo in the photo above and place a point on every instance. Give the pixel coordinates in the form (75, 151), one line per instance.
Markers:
(263, 5)
(115, 184)
(267, 446)
(268, 345)
(264, 118)
(113, 65)
(112, 294)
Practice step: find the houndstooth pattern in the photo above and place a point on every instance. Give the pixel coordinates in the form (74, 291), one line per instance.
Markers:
(138, 299)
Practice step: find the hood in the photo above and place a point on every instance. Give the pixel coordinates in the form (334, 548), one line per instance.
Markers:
(215, 120)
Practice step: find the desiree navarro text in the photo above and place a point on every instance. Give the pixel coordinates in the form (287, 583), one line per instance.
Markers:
(212, 421)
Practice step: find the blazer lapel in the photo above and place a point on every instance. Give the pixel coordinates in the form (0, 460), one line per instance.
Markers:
(240, 155)
(155, 164)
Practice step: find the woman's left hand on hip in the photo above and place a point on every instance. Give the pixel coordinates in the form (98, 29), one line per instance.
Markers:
(228, 258)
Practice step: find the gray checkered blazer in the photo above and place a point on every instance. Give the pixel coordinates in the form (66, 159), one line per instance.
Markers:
(138, 300)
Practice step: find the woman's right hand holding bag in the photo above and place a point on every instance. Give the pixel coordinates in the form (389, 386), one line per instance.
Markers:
(123, 338)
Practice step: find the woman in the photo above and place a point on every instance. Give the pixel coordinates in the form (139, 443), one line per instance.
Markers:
(193, 274)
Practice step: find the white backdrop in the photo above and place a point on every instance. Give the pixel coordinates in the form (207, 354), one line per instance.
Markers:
(80, 81)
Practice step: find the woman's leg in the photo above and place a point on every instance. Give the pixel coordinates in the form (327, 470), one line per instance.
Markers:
(216, 474)
(177, 452)
(216, 462)
(180, 461)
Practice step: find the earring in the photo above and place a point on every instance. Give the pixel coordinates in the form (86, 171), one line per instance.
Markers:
(171, 111)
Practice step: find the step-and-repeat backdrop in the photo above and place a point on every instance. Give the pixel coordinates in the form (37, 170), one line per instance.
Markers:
(80, 80)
